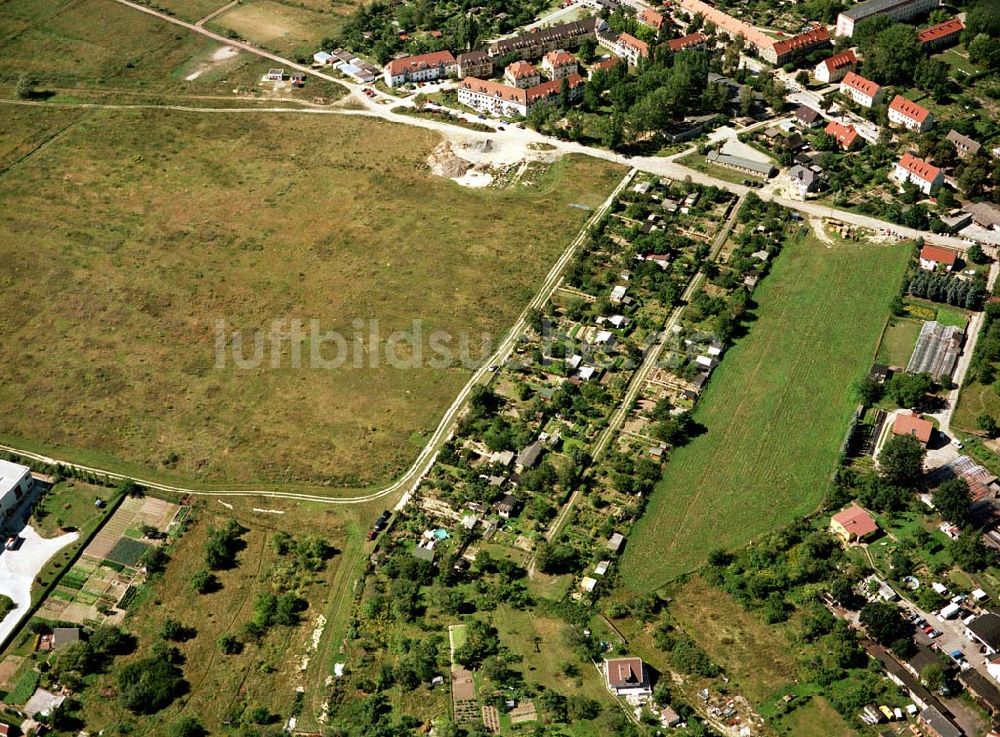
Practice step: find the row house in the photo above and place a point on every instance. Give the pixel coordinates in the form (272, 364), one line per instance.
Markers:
(836, 67)
(689, 42)
(782, 51)
(910, 115)
(422, 68)
(862, 91)
(925, 176)
(535, 43)
(943, 34)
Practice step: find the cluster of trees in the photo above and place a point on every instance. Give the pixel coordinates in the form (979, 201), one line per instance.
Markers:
(223, 545)
(987, 351)
(310, 553)
(948, 289)
(982, 34)
(151, 683)
(91, 654)
(890, 49)
(909, 390)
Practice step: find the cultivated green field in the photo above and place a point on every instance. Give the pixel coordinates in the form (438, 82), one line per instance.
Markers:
(776, 409)
(128, 237)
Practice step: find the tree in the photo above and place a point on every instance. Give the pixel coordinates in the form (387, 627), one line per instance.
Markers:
(901, 460)
(869, 391)
(229, 645)
(174, 631)
(25, 89)
(952, 500)
(148, 684)
(883, 622)
(891, 56)
(204, 582)
(933, 676)
(908, 390)
(988, 425)
(970, 552)
(187, 727)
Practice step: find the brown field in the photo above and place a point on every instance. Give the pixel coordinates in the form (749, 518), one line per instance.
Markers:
(286, 29)
(128, 237)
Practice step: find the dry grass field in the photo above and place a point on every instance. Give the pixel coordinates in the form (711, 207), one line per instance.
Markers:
(281, 27)
(127, 237)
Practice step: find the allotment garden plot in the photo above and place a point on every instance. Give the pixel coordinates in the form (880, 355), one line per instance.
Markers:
(101, 583)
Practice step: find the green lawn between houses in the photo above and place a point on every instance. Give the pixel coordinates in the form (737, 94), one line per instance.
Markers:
(775, 412)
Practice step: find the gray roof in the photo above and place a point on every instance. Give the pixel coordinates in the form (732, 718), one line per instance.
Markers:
(987, 628)
(562, 32)
(62, 636)
(422, 553)
(529, 456)
(807, 114)
(939, 723)
(739, 162)
(936, 350)
(873, 7)
(964, 141)
(984, 213)
(804, 175)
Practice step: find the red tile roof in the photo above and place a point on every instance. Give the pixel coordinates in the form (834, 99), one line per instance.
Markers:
(908, 423)
(938, 255)
(604, 64)
(629, 40)
(941, 30)
(911, 110)
(520, 69)
(862, 85)
(802, 41)
(856, 521)
(692, 39)
(844, 134)
(839, 61)
(553, 87)
(417, 63)
(919, 168)
(496, 89)
(651, 18)
(560, 58)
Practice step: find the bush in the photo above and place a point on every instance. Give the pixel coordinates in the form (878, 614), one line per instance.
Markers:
(229, 645)
(204, 582)
(148, 685)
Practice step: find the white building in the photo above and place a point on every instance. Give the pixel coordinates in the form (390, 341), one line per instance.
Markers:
(926, 177)
(522, 75)
(15, 483)
(862, 91)
(558, 64)
(624, 45)
(910, 115)
(422, 68)
(836, 67)
(627, 677)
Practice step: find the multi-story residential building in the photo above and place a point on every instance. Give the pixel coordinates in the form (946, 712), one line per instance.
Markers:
(943, 34)
(895, 9)
(558, 64)
(15, 482)
(475, 64)
(534, 44)
(624, 45)
(691, 41)
(521, 74)
(836, 67)
(496, 98)
(910, 115)
(925, 176)
(782, 51)
(863, 91)
(964, 145)
(422, 68)
(649, 17)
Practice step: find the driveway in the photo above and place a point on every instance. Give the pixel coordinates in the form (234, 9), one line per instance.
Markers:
(18, 569)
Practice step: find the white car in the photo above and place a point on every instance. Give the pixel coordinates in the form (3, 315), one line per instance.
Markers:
(957, 443)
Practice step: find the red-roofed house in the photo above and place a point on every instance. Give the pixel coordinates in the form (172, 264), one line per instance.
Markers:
(626, 46)
(422, 68)
(507, 101)
(691, 41)
(909, 114)
(910, 423)
(845, 135)
(853, 524)
(521, 74)
(836, 67)
(781, 51)
(559, 64)
(933, 256)
(627, 677)
(863, 91)
(649, 17)
(943, 34)
(602, 65)
(926, 176)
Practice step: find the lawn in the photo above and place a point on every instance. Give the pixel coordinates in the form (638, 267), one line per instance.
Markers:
(975, 399)
(69, 505)
(814, 719)
(951, 316)
(775, 412)
(265, 674)
(133, 235)
(898, 340)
